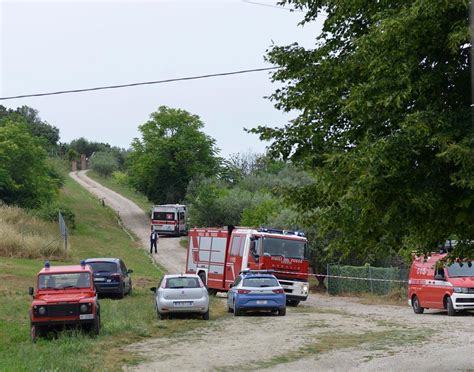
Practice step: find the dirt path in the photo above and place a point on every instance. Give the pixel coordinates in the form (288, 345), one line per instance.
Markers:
(170, 255)
(323, 334)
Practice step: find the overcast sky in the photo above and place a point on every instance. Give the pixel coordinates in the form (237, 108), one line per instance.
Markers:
(49, 46)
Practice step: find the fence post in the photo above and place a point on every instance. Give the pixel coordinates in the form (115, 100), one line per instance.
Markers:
(370, 281)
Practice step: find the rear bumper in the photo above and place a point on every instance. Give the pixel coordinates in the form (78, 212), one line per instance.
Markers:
(251, 302)
(108, 288)
(200, 305)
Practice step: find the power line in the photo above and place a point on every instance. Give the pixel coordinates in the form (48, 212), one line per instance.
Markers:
(138, 84)
(271, 6)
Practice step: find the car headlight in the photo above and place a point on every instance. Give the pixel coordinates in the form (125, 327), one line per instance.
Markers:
(85, 308)
(461, 290)
(41, 310)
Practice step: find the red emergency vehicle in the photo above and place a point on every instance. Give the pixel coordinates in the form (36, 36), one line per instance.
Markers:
(433, 286)
(218, 255)
(64, 295)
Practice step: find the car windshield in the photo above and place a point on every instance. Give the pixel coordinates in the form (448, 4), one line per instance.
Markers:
(64, 280)
(182, 282)
(98, 267)
(167, 216)
(461, 269)
(284, 247)
(259, 282)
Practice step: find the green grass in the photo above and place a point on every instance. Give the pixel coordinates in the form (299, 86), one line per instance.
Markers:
(123, 321)
(139, 199)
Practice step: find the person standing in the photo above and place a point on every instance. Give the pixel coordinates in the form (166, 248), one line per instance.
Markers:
(154, 237)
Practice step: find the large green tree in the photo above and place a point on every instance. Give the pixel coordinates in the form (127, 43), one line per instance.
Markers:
(26, 177)
(172, 151)
(384, 124)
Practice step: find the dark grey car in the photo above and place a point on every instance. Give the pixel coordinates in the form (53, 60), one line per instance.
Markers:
(111, 276)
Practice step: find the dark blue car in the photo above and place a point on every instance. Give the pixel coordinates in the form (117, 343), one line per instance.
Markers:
(256, 291)
(111, 276)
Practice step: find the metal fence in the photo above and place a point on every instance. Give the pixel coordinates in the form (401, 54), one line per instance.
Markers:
(358, 279)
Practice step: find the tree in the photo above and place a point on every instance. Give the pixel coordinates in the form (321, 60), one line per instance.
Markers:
(104, 163)
(171, 152)
(37, 127)
(26, 178)
(384, 124)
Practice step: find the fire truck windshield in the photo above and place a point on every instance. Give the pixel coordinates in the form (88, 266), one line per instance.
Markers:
(284, 247)
(461, 269)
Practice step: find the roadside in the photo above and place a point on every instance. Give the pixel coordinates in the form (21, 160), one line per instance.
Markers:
(170, 256)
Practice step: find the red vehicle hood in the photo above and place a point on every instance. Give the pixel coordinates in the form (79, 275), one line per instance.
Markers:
(467, 281)
(62, 297)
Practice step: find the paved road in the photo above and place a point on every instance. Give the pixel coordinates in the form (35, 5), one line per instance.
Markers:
(170, 255)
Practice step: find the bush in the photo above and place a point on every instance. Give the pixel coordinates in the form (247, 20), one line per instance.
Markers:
(104, 163)
(49, 212)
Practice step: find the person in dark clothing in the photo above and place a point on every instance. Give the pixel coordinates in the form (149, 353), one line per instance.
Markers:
(153, 241)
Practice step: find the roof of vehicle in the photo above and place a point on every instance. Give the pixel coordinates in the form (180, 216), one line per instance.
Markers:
(64, 269)
(167, 276)
(258, 274)
(103, 259)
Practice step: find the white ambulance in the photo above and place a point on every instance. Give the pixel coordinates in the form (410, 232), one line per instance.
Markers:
(169, 219)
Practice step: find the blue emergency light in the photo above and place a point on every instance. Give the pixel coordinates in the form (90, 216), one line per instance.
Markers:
(46, 265)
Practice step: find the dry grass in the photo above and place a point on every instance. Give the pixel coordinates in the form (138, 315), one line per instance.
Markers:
(25, 236)
(396, 297)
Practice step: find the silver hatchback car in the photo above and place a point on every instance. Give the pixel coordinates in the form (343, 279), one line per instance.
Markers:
(183, 293)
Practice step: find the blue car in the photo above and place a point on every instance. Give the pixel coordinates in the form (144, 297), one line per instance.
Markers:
(256, 291)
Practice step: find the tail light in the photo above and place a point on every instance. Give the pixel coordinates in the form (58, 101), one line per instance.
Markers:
(243, 291)
(115, 277)
(278, 290)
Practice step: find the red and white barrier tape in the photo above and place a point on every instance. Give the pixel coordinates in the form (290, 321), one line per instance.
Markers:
(342, 277)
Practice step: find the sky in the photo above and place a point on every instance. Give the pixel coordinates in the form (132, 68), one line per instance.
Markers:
(60, 45)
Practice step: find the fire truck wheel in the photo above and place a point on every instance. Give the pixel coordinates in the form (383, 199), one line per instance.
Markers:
(96, 326)
(205, 316)
(293, 303)
(35, 332)
(416, 305)
(450, 307)
(282, 312)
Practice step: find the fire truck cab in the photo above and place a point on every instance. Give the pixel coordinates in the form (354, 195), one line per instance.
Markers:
(218, 255)
(64, 295)
(433, 286)
(169, 219)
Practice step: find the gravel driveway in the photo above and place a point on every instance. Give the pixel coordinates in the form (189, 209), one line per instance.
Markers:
(323, 334)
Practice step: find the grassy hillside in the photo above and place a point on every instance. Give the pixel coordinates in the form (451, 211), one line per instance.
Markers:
(123, 321)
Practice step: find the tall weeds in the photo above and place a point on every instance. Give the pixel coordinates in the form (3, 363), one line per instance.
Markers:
(25, 236)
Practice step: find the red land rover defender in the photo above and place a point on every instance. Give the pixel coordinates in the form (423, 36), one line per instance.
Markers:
(65, 295)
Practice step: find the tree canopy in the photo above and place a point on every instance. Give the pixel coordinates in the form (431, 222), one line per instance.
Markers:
(384, 124)
(171, 152)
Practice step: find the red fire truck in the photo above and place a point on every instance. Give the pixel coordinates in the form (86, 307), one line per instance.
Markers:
(217, 255)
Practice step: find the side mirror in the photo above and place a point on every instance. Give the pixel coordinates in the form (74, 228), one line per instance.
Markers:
(231, 285)
(31, 291)
(439, 277)
(130, 271)
(153, 289)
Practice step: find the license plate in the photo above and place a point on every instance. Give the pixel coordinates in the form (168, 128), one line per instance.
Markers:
(86, 316)
(183, 304)
(99, 279)
(261, 302)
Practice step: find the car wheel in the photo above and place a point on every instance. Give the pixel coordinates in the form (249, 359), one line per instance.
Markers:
(35, 332)
(415, 303)
(96, 328)
(130, 288)
(162, 316)
(293, 303)
(229, 309)
(205, 316)
(450, 307)
(237, 311)
(122, 292)
(282, 312)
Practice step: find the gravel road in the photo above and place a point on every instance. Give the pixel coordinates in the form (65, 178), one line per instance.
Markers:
(170, 255)
(323, 334)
